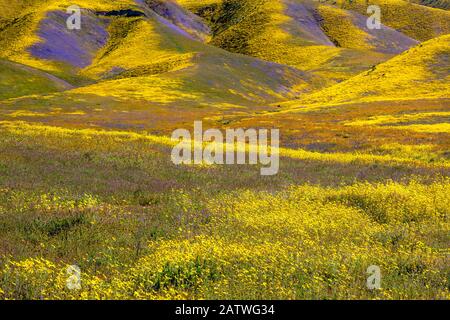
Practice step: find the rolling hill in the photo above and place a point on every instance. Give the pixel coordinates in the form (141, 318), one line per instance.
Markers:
(88, 182)
(419, 73)
(116, 44)
(18, 80)
(417, 21)
(300, 34)
(309, 35)
(222, 56)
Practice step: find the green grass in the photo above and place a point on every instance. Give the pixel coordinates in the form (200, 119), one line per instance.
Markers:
(420, 72)
(17, 81)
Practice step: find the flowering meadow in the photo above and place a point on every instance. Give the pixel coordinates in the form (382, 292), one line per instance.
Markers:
(93, 207)
(140, 227)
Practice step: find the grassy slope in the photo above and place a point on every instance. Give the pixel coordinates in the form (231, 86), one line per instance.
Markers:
(441, 4)
(18, 80)
(421, 72)
(148, 64)
(139, 227)
(170, 63)
(19, 29)
(170, 66)
(416, 21)
(275, 31)
(192, 24)
(266, 30)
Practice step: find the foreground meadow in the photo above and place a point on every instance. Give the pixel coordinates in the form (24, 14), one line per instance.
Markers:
(112, 203)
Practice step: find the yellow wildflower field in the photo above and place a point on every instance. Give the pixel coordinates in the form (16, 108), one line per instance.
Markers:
(94, 203)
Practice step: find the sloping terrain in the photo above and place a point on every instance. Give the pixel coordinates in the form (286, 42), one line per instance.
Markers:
(180, 17)
(303, 34)
(36, 35)
(416, 21)
(441, 4)
(17, 80)
(136, 64)
(232, 54)
(113, 43)
(164, 58)
(87, 178)
(421, 72)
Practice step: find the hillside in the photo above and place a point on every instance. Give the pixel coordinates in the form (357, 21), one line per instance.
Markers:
(417, 21)
(419, 73)
(144, 44)
(17, 80)
(93, 205)
(303, 34)
(35, 34)
(300, 34)
(441, 4)
(225, 55)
